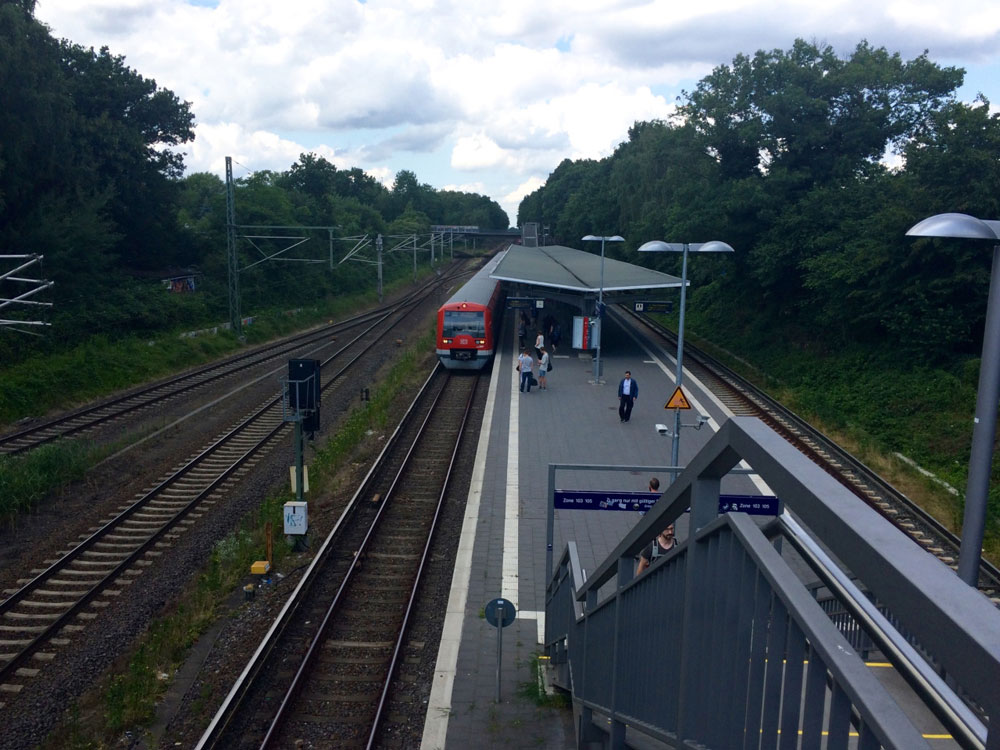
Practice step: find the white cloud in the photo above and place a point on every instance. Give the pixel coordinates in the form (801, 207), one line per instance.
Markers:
(253, 151)
(466, 187)
(511, 200)
(474, 91)
(476, 152)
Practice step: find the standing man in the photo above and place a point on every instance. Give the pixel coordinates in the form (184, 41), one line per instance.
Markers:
(543, 370)
(539, 343)
(524, 364)
(628, 392)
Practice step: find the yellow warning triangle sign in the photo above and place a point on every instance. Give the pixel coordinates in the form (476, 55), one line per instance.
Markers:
(678, 400)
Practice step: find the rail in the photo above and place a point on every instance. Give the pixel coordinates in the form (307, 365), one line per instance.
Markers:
(739, 648)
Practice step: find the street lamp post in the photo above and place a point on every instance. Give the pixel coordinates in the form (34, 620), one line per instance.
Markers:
(984, 427)
(600, 302)
(658, 246)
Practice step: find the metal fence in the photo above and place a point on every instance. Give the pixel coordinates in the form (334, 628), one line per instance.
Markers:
(719, 644)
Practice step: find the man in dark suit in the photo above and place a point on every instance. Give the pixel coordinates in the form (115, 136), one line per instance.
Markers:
(628, 392)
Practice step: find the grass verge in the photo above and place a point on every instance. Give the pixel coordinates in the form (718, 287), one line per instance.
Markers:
(103, 365)
(876, 406)
(25, 479)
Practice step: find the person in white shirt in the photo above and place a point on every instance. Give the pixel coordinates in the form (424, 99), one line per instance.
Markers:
(525, 363)
(539, 343)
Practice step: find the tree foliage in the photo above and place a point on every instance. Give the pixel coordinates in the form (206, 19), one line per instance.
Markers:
(91, 177)
(783, 155)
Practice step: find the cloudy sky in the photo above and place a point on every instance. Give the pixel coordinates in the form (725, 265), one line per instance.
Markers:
(480, 95)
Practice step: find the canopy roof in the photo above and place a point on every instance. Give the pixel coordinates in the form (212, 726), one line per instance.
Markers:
(561, 267)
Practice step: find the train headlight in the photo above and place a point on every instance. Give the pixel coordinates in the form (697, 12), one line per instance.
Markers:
(480, 341)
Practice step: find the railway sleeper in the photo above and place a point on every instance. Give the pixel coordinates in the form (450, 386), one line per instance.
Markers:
(31, 617)
(349, 697)
(120, 546)
(127, 535)
(81, 573)
(75, 592)
(329, 681)
(12, 643)
(135, 526)
(57, 606)
(95, 555)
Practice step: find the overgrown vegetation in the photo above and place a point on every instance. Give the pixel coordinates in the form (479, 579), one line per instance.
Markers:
(131, 695)
(534, 689)
(27, 479)
(101, 365)
(875, 405)
(377, 412)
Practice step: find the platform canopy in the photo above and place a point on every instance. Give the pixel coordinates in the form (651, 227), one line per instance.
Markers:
(575, 271)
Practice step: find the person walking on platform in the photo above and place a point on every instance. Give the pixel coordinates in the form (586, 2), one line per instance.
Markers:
(539, 343)
(524, 364)
(543, 370)
(628, 392)
(522, 330)
(663, 543)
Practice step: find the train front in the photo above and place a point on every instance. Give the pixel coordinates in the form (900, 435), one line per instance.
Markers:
(463, 337)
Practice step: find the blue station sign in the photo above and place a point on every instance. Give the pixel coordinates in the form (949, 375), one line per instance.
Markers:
(604, 500)
(754, 505)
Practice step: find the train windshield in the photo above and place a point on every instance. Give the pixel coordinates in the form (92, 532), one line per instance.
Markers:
(458, 322)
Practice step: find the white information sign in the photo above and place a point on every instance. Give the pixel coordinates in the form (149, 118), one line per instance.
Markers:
(296, 518)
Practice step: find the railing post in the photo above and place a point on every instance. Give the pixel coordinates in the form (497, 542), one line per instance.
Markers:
(586, 732)
(625, 574)
(704, 509)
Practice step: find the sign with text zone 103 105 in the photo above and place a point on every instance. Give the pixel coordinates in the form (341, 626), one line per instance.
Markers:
(755, 505)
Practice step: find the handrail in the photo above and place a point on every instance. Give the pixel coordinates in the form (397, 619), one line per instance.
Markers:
(745, 613)
(969, 731)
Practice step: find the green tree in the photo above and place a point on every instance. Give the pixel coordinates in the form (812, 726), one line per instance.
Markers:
(813, 114)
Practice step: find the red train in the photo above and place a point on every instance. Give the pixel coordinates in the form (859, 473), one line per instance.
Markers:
(467, 323)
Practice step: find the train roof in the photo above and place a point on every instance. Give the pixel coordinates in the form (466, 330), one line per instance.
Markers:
(479, 289)
(559, 267)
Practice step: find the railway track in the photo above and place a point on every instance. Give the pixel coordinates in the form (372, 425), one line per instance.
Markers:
(309, 344)
(744, 399)
(323, 674)
(43, 616)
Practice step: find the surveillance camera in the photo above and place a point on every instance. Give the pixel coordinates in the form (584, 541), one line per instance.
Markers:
(662, 429)
(702, 419)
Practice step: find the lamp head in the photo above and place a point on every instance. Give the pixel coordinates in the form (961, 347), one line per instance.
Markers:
(658, 246)
(960, 226)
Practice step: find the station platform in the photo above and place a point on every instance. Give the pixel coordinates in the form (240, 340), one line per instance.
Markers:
(502, 552)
